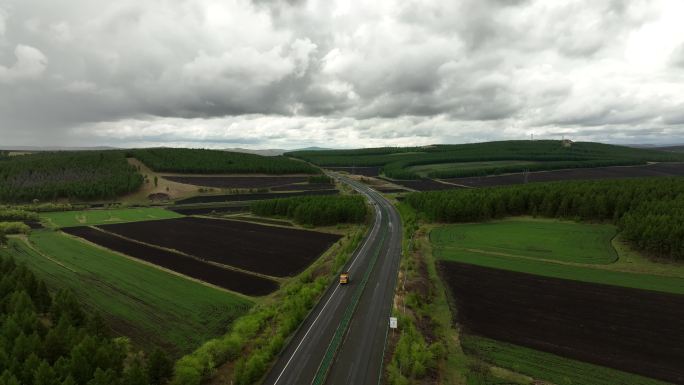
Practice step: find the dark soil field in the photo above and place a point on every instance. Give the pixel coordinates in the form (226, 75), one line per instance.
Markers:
(251, 197)
(246, 182)
(210, 210)
(658, 169)
(365, 171)
(305, 187)
(632, 330)
(270, 250)
(422, 184)
(227, 279)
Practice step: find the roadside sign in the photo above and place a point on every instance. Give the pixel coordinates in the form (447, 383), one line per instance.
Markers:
(393, 322)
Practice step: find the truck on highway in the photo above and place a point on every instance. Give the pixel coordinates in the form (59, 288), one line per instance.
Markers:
(344, 278)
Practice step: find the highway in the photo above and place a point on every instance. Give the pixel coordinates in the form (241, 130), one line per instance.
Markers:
(342, 341)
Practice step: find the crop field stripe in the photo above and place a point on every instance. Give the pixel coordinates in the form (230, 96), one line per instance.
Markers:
(549, 367)
(186, 255)
(235, 282)
(344, 324)
(98, 216)
(627, 329)
(270, 250)
(648, 282)
(150, 305)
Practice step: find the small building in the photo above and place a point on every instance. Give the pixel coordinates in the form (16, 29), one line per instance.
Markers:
(566, 143)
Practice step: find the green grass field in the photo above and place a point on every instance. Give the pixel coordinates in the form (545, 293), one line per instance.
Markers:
(559, 260)
(548, 367)
(99, 217)
(425, 169)
(559, 241)
(151, 306)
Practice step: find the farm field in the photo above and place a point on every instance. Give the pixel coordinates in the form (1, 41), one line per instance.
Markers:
(632, 330)
(251, 197)
(365, 171)
(228, 279)
(150, 305)
(396, 162)
(425, 169)
(549, 240)
(97, 217)
(238, 182)
(651, 170)
(268, 250)
(209, 210)
(423, 184)
(547, 366)
(557, 258)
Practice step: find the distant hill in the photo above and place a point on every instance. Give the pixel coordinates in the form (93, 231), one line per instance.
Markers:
(449, 159)
(265, 152)
(53, 148)
(678, 148)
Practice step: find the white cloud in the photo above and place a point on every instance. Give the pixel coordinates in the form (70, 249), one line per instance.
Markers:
(364, 73)
(30, 64)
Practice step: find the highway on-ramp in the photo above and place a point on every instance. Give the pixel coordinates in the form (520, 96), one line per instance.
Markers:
(342, 341)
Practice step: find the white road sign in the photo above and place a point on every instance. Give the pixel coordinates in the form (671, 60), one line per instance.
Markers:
(393, 322)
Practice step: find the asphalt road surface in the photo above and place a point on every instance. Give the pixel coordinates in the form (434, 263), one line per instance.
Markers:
(358, 359)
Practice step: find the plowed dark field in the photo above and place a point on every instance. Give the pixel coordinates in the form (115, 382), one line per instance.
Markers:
(632, 330)
(274, 251)
(238, 181)
(658, 169)
(304, 187)
(251, 197)
(227, 279)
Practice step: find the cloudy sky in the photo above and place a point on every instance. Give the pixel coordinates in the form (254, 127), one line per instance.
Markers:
(339, 73)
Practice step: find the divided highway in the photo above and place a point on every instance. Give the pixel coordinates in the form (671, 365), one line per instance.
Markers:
(330, 347)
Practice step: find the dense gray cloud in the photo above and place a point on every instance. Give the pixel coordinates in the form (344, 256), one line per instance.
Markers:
(290, 73)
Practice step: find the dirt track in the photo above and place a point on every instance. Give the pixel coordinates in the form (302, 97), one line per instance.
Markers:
(632, 330)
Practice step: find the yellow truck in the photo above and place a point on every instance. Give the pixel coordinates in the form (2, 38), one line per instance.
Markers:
(344, 278)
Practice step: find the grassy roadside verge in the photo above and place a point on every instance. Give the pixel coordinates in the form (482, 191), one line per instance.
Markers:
(425, 349)
(244, 354)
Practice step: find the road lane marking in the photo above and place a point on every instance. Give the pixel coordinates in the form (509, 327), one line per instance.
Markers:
(377, 221)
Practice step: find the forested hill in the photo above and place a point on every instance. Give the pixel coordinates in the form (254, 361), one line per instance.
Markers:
(200, 161)
(396, 161)
(82, 175)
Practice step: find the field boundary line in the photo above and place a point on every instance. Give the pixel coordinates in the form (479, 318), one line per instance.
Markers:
(213, 263)
(33, 247)
(152, 265)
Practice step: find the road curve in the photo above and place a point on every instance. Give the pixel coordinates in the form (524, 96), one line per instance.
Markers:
(358, 359)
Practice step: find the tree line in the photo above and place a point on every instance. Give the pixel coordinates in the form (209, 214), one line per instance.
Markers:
(81, 175)
(649, 212)
(543, 166)
(315, 210)
(186, 160)
(396, 161)
(50, 340)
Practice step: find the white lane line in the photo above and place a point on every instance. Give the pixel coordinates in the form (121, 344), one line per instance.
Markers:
(305, 334)
(327, 302)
